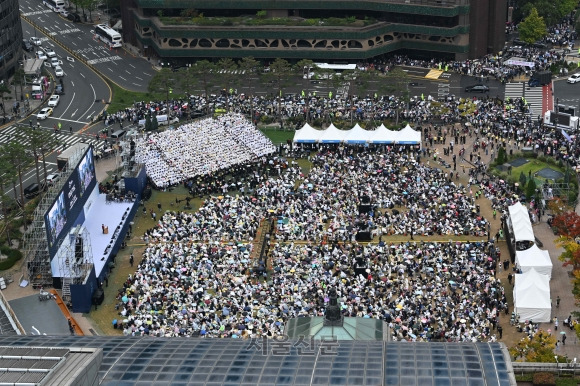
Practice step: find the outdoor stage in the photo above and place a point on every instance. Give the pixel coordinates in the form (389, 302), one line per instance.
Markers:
(113, 215)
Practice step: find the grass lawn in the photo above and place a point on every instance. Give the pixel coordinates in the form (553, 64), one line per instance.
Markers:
(534, 166)
(123, 98)
(278, 136)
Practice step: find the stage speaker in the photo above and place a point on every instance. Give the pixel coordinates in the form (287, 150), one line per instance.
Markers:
(366, 208)
(363, 236)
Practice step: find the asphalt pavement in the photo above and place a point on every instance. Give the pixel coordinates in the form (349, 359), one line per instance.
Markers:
(122, 67)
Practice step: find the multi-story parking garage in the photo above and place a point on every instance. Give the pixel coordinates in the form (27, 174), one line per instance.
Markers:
(10, 37)
(316, 29)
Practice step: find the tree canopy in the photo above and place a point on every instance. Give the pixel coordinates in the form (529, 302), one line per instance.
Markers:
(533, 27)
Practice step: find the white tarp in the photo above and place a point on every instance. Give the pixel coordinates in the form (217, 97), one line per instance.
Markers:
(520, 220)
(535, 258)
(332, 135)
(357, 135)
(307, 134)
(383, 135)
(532, 296)
(408, 136)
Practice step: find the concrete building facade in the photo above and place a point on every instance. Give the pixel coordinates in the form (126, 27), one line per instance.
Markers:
(330, 30)
(10, 38)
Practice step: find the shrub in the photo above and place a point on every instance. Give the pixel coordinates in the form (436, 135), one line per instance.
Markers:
(544, 379)
(13, 256)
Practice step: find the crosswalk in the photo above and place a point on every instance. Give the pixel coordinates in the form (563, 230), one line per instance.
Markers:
(533, 95)
(63, 139)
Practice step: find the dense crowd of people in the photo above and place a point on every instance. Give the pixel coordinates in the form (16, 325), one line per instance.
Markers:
(196, 277)
(200, 148)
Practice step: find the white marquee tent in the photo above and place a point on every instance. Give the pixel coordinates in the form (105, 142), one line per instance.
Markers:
(382, 135)
(536, 259)
(357, 135)
(408, 136)
(332, 135)
(532, 296)
(307, 134)
(520, 222)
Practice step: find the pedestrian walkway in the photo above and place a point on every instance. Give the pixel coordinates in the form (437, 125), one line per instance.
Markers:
(63, 139)
(533, 96)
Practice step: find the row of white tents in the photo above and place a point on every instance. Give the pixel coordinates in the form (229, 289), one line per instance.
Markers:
(532, 299)
(358, 135)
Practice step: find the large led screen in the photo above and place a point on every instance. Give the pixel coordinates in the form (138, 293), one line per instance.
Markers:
(69, 202)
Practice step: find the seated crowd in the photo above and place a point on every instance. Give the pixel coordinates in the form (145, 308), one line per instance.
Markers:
(196, 276)
(200, 148)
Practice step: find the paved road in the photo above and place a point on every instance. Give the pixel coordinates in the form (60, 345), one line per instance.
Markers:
(127, 71)
(84, 90)
(567, 94)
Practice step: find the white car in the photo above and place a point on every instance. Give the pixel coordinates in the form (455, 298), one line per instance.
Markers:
(53, 101)
(41, 55)
(574, 78)
(54, 62)
(58, 71)
(36, 41)
(44, 113)
(49, 52)
(51, 179)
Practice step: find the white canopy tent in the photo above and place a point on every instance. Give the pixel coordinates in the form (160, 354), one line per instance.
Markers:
(520, 223)
(532, 296)
(307, 134)
(357, 135)
(536, 259)
(382, 135)
(332, 135)
(408, 136)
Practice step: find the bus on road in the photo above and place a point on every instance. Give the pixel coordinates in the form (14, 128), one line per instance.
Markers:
(55, 5)
(108, 35)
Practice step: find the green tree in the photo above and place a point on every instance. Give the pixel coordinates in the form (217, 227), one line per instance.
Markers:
(154, 124)
(38, 142)
(4, 90)
(531, 188)
(19, 79)
(305, 66)
(228, 77)
(551, 11)
(501, 156)
(187, 80)
(532, 28)
(523, 179)
(148, 124)
(250, 68)
(15, 154)
(163, 82)
(539, 349)
(279, 74)
(396, 83)
(204, 70)
(7, 176)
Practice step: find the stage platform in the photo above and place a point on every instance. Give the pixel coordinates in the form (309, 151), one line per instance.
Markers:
(113, 215)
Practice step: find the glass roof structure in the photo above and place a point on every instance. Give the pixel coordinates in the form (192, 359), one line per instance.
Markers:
(351, 329)
(143, 361)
